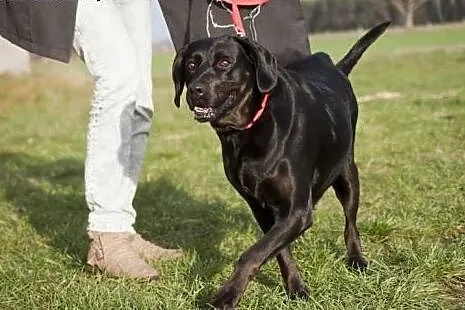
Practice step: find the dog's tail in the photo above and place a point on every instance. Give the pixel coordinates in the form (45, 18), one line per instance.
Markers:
(351, 58)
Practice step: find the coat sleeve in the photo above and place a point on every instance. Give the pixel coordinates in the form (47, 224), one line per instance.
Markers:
(45, 28)
(278, 24)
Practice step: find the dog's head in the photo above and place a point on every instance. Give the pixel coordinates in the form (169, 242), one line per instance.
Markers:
(224, 77)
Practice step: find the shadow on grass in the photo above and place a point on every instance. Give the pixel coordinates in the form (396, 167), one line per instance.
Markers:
(50, 194)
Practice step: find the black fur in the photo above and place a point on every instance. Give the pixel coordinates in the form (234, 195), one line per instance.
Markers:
(301, 145)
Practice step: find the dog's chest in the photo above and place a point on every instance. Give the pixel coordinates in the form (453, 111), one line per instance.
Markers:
(269, 184)
(249, 175)
(257, 169)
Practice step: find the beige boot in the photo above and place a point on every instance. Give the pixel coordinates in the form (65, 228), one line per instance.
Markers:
(113, 254)
(152, 252)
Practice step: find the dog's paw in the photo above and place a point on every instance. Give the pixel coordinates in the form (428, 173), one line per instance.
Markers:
(357, 263)
(298, 290)
(226, 298)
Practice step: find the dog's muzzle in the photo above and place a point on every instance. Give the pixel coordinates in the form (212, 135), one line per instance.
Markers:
(210, 114)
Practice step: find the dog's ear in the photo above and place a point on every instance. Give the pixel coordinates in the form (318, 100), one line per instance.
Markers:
(265, 63)
(178, 75)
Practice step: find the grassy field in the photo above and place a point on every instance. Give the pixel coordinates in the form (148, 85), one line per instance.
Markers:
(410, 150)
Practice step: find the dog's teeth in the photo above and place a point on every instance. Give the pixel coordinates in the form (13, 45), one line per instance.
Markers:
(202, 110)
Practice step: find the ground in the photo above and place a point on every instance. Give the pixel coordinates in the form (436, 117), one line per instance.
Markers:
(410, 150)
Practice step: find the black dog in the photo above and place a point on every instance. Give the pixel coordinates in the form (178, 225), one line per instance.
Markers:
(287, 135)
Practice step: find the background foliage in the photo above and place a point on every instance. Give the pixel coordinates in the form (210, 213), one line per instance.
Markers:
(325, 15)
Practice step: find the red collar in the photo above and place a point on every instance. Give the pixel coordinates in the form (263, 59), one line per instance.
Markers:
(260, 111)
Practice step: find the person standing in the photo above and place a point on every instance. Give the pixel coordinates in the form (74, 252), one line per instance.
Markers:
(113, 37)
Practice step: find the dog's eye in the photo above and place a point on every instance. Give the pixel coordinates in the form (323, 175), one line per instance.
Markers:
(191, 66)
(224, 63)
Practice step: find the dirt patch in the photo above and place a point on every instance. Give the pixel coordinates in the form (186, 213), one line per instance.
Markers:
(388, 95)
(382, 95)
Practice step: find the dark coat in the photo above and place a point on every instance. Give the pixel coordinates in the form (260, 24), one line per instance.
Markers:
(43, 27)
(279, 26)
(46, 27)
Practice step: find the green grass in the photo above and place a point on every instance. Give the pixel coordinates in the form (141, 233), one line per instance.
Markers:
(396, 40)
(410, 150)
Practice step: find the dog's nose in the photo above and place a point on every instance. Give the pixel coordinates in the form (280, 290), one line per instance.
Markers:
(199, 90)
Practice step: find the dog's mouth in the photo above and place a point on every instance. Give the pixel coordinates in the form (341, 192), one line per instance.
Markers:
(210, 114)
(204, 114)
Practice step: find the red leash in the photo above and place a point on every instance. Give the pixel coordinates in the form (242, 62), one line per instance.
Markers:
(237, 19)
(239, 27)
(236, 15)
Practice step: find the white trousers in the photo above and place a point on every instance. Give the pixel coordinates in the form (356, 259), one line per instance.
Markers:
(113, 37)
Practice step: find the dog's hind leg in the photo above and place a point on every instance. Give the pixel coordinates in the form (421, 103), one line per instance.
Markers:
(347, 190)
(295, 286)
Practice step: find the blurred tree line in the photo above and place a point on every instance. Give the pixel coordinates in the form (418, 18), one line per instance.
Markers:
(323, 15)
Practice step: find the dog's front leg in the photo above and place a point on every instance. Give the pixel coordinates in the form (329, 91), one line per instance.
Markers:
(295, 285)
(293, 282)
(283, 232)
